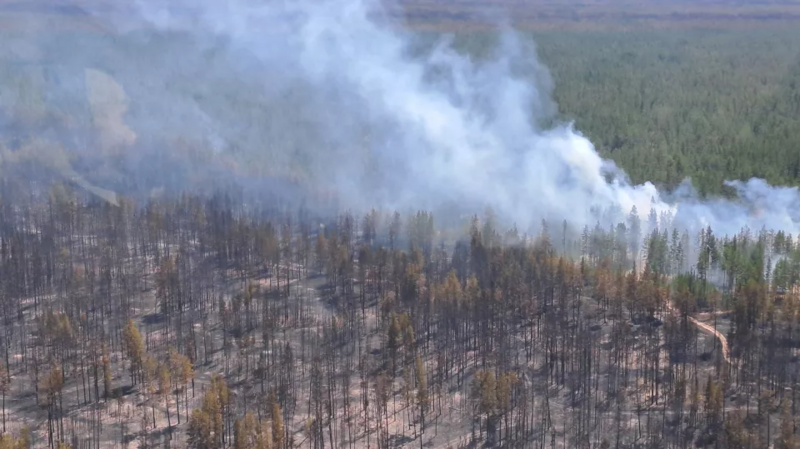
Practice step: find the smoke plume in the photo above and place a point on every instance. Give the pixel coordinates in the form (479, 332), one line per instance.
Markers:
(332, 95)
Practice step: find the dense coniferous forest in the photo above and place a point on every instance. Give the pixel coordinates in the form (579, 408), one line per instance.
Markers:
(666, 105)
(219, 322)
(710, 105)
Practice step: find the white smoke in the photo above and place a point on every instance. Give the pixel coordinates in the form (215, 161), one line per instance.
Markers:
(414, 131)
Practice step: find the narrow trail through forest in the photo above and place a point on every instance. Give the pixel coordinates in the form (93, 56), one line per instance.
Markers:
(722, 339)
(708, 329)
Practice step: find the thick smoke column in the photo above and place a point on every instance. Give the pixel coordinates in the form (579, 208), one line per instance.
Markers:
(393, 129)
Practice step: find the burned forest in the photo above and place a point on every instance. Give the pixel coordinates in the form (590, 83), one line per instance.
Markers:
(212, 322)
(329, 225)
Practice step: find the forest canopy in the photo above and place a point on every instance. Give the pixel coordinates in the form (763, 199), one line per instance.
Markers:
(708, 105)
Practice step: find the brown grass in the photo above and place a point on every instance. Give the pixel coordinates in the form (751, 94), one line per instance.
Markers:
(475, 15)
(464, 15)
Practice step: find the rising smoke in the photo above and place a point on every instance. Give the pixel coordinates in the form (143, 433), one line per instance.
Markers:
(330, 93)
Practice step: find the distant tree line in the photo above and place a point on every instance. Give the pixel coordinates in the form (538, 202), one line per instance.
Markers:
(710, 105)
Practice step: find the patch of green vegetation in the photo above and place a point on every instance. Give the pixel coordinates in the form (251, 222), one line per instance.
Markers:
(666, 106)
(706, 105)
(692, 283)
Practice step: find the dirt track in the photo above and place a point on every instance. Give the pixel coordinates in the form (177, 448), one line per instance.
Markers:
(708, 329)
(722, 339)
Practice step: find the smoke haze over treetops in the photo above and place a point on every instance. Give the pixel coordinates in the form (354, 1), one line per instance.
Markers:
(330, 95)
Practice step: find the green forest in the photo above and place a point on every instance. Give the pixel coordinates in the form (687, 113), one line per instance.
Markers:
(666, 105)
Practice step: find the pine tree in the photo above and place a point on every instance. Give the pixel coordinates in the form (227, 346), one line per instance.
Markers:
(484, 393)
(4, 383)
(106, 374)
(422, 391)
(277, 425)
(200, 431)
(134, 349)
(787, 438)
(164, 385)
